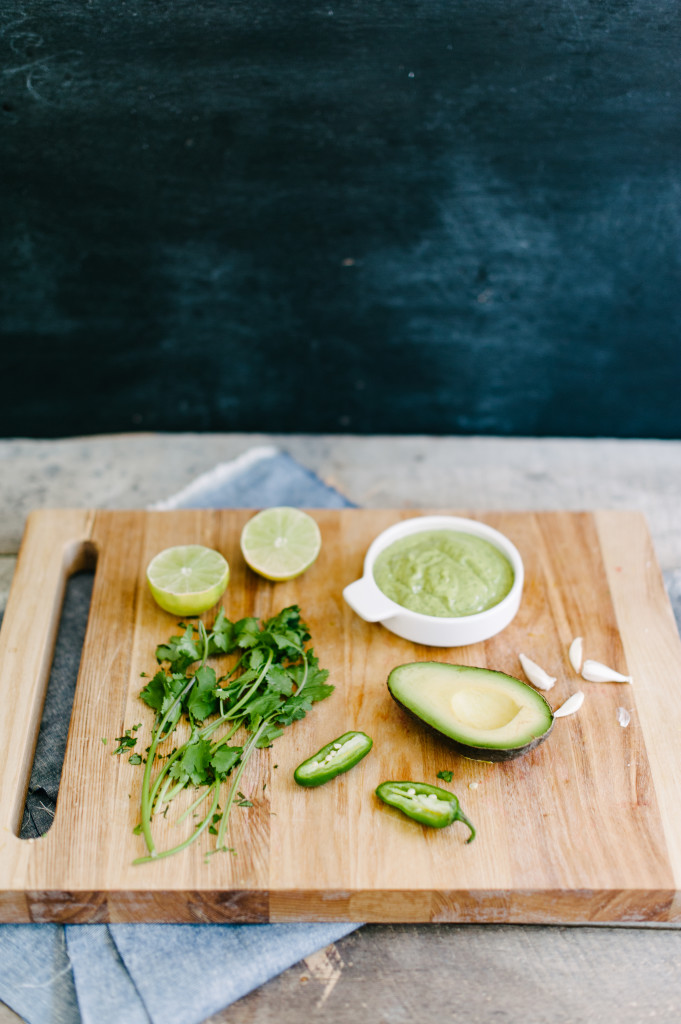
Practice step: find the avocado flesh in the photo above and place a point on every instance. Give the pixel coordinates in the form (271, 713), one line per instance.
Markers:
(486, 715)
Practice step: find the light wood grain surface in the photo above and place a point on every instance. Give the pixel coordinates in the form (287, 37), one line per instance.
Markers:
(581, 829)
(389, 973)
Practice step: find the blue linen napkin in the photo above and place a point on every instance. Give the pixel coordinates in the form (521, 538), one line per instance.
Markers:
(51, 974)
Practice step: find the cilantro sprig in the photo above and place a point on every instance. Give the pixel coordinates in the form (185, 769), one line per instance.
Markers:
(274, 682)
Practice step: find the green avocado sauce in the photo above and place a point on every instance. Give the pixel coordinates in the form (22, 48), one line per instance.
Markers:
(444, 573)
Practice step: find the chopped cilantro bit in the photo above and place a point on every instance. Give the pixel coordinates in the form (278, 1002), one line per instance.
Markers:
(126, 742)
(446, 776)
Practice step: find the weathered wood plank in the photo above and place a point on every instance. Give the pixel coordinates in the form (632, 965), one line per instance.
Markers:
(476, 974)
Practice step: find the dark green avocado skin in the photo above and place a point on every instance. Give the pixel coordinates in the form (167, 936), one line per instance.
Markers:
(476, 753)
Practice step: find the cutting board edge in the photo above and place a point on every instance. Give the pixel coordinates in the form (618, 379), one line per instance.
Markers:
(384, 906)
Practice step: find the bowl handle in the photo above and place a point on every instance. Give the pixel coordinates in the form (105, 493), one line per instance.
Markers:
(366, 599)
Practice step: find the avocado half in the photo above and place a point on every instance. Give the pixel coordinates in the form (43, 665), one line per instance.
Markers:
(485, 715)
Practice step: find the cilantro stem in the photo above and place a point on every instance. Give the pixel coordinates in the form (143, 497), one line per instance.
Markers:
(192, 807)
(195, 835)
(151, 753)
(248, 750)
(176, 790)
(208, 730)
(251, 690)
(305, 670)
(162, 774)
(156, 806)
(204, 734)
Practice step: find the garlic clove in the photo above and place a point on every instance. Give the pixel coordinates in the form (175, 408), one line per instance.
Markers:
(536, 674)
(623, 717)
(571, 705)
(575, 653)
(596, 672)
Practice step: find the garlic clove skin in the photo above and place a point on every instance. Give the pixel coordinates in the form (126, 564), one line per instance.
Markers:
(596, 672)
(575, 653)
(623, 717)
(536, 674)
(571, 705)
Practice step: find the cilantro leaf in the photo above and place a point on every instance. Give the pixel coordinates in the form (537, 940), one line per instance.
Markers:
(263, 705)
(222, 638)
(280, 680)
(446, 776)
(268, 735)
(155, 691)
(179, 651)
(288, 621)
(255, 658)
(224, 759)
(175, 684)
(193, 764)
(293, 709)
(126, 742)
(161, 692)
(246, 632)
(314, 677)
(317, 691)
(187, 645)
(202, 701)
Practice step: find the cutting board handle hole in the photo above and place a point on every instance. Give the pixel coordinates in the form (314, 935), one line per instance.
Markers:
(72, 610)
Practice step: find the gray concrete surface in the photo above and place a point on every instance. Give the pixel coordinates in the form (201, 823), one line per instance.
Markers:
(131, 471)
(127, 471)
(393, 974)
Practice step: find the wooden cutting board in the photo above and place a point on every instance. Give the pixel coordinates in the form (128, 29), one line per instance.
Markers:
(585, 828)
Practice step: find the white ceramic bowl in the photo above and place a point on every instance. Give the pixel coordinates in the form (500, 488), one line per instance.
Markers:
(372, 605)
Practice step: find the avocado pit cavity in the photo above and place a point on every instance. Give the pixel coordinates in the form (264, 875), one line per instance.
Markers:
(482, 708)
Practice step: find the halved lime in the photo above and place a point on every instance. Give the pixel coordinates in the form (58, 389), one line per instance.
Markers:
(188, 579)
(280, 543)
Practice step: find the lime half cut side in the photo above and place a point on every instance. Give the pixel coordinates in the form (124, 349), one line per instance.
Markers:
(188, 579)
(280, 543)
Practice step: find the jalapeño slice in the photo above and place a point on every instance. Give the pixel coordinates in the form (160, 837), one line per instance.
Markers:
(336, 757)
(426, 804)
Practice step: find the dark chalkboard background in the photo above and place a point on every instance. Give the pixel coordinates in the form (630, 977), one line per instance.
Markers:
(445, 217)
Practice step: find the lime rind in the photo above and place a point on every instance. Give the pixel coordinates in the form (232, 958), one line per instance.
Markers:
(187, 579)
(280, 543)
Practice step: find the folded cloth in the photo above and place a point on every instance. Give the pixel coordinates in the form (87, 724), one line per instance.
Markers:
(259, 478)
(51, 974)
